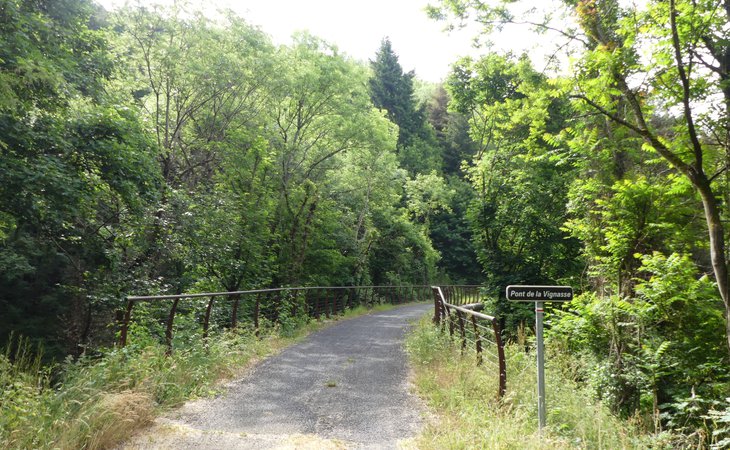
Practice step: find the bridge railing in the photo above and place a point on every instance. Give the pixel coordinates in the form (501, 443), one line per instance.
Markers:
(458, 308)
(255, 305)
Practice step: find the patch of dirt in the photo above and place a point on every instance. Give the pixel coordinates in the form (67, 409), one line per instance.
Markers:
(169, 434)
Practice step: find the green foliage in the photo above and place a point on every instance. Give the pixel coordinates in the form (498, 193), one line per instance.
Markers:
(520, 180)
(628, 219)
(721, 421)
(660, 353)
(451, 234)
(75, 167)
(155, 150)
(392, 90)
(403, 253)
(642, 130)
(426, 194)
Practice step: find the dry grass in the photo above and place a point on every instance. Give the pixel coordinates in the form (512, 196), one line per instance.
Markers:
(109, 420)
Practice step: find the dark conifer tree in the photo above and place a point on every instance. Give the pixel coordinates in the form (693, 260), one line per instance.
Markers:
(391, 89)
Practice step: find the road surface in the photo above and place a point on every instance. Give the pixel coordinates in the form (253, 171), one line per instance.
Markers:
(342, 387)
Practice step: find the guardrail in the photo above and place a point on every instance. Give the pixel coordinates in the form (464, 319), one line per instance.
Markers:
(461, 294)
(458, 305)
(313, 301)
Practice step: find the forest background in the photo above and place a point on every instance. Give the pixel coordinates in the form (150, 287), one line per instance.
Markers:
(152, 150)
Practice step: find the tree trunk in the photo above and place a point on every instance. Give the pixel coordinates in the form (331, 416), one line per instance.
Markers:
(716, 232)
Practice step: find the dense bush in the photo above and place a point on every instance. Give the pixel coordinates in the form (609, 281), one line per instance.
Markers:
(660, 354)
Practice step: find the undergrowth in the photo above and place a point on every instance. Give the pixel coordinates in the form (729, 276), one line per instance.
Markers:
(95, 403)
(468, 414)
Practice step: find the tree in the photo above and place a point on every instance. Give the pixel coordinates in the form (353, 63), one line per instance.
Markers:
(201, 86)
(392, 90)
(684, 77)
(679, 76)
(520, 180)
(647, 135)
(75, 169)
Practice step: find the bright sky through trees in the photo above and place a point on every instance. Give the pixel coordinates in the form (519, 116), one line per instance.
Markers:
(357, 27)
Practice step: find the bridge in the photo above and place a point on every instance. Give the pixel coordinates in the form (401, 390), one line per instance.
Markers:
(345, 385)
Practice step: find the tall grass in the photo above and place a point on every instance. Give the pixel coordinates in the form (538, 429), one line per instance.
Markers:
(469, 415)
(98, 402)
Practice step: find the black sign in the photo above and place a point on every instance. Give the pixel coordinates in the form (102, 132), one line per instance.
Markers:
(540, 293)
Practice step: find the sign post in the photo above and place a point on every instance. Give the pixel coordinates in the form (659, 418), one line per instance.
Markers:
(539, 295)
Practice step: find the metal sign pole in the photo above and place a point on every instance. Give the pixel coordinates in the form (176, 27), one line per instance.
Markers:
(539, 295)
(540, 366)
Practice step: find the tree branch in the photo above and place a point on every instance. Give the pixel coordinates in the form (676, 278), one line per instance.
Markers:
(696, 145)
(607, 113)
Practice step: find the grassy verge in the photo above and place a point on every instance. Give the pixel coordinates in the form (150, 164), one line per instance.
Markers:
(467, 413)
(97, 403)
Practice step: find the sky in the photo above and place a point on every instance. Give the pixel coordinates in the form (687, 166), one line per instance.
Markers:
(358, 27)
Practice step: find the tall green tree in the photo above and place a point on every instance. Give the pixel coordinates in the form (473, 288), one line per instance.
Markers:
(391, 89)
(683, 32)
(322, 114)
(682, 78)
(521, 180)
(75, 168)
(201, 87)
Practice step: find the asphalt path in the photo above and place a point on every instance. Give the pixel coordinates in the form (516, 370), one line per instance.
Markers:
(344, 386)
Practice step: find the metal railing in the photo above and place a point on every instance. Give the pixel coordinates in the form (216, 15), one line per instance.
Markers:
(312, 301)
(458, 307)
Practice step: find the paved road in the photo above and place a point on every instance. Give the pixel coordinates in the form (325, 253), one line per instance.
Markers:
(344, 386)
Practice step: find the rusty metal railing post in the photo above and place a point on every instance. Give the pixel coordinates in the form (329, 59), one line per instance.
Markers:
(437, 313)
(168, 329)
(500, 356)
(478, 340)
(206, 320)
(293, 302)
(125, 324)
(278, 305)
